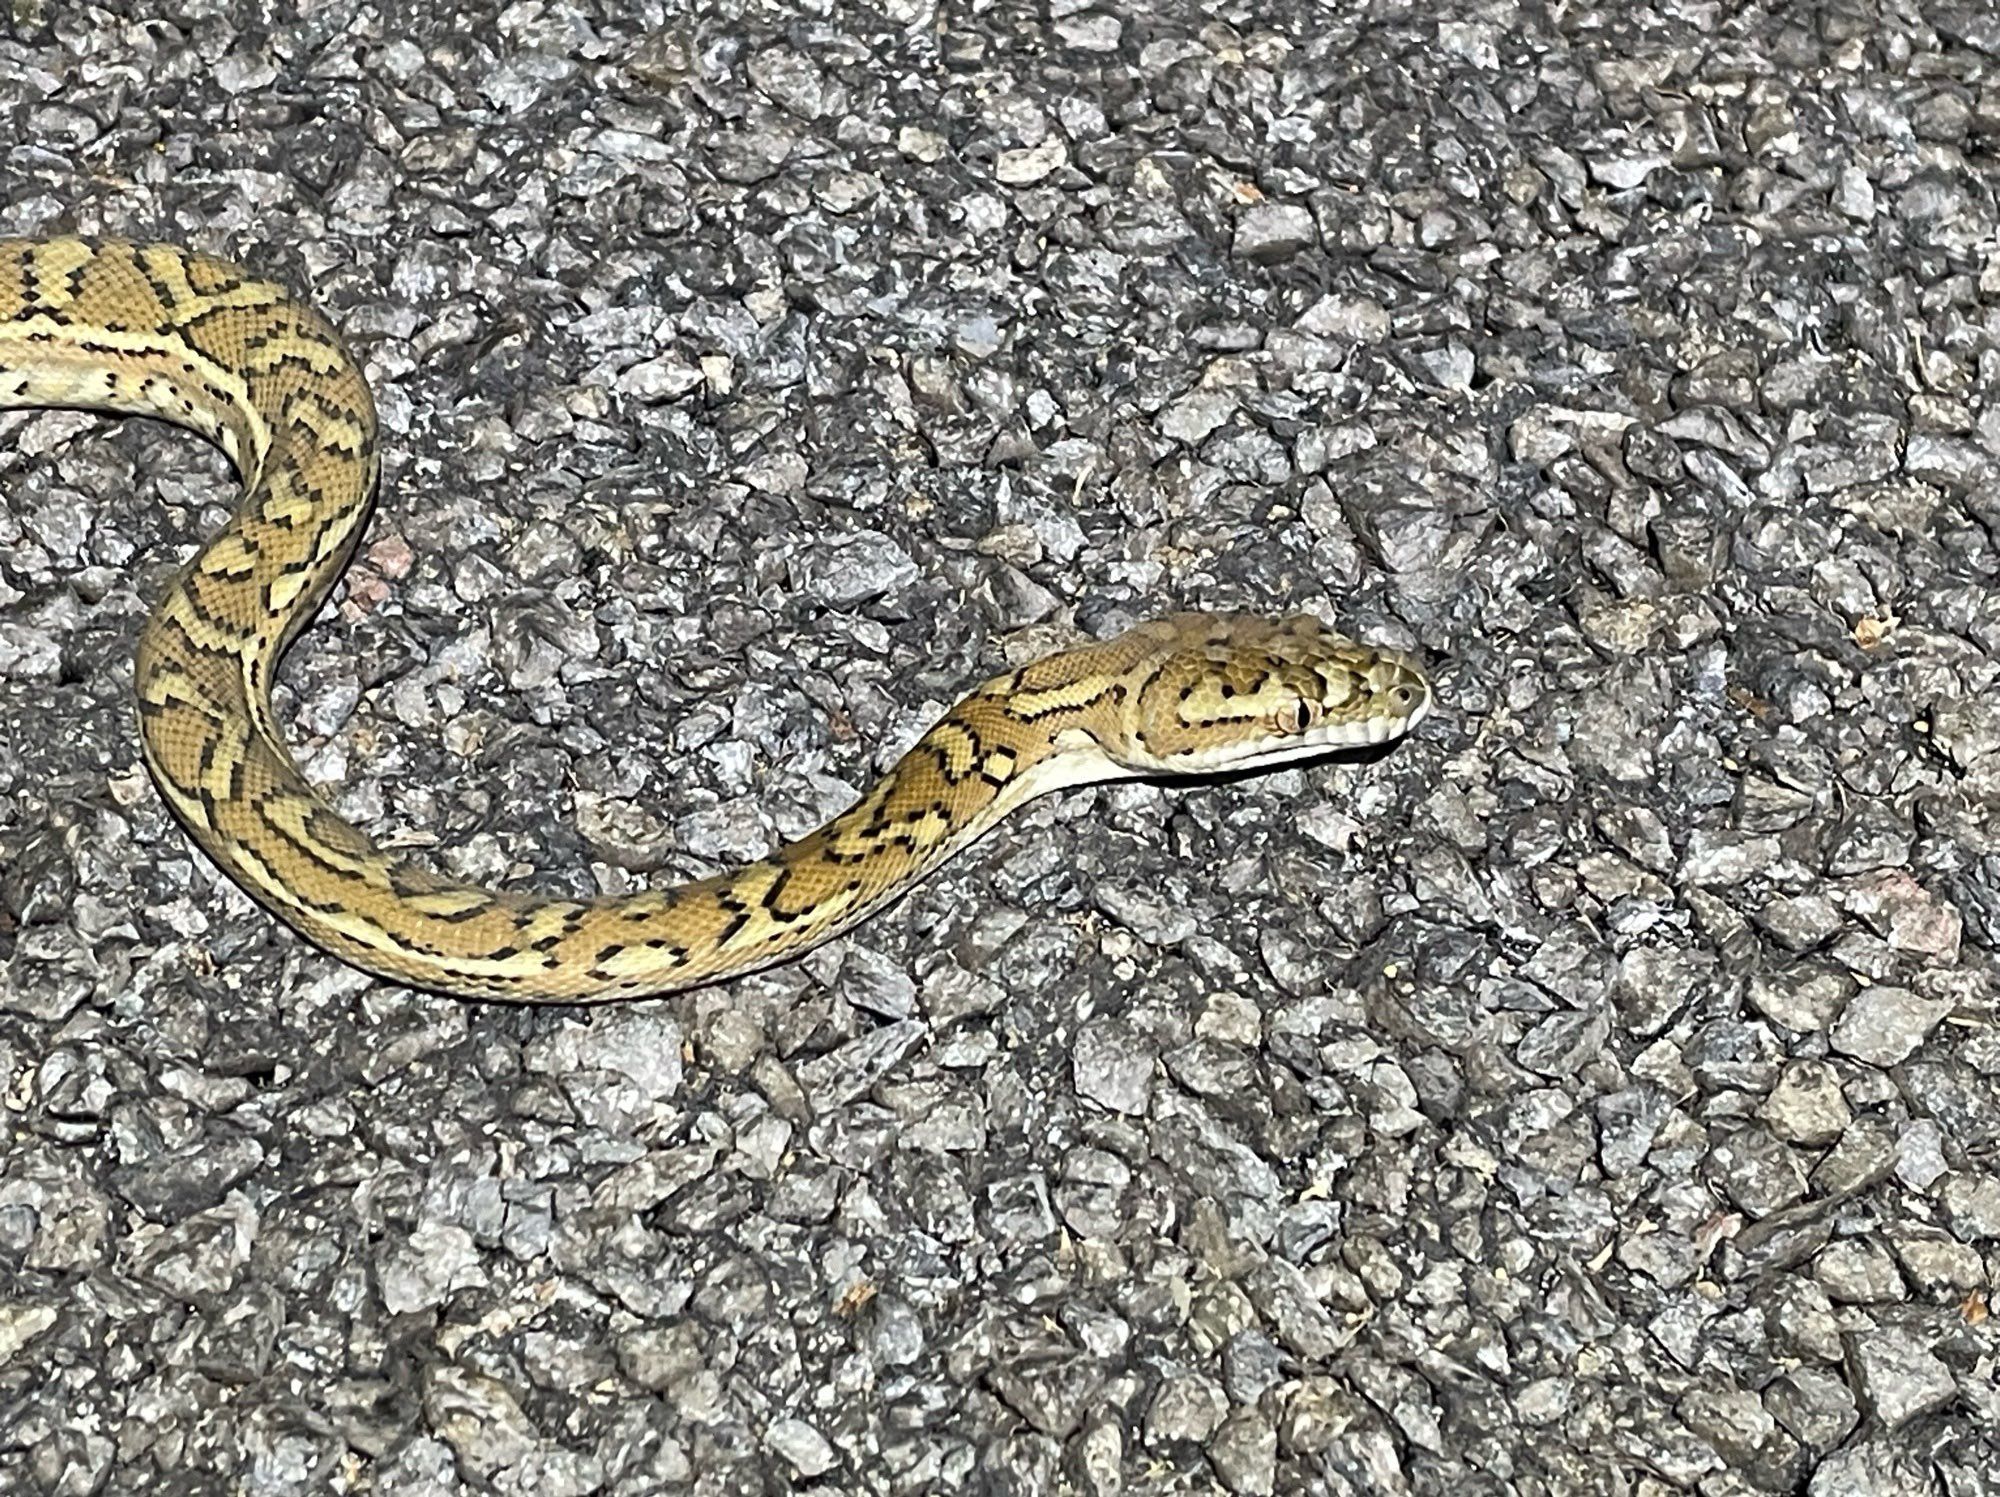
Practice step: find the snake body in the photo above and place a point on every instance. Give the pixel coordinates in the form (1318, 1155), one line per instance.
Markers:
(158, 330)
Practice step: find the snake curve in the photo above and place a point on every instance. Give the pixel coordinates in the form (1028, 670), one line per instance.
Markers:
(162, 331)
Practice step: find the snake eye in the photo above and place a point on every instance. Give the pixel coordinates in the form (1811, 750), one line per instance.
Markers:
(1296, 716)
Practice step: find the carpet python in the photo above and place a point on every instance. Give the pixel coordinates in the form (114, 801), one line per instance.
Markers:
(161, 331)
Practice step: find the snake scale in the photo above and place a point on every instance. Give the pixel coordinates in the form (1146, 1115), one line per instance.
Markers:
(158, 330)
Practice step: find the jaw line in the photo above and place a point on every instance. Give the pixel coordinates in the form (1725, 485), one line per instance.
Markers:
(1283, 756)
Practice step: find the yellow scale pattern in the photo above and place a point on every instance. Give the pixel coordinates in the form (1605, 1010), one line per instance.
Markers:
(156, 330)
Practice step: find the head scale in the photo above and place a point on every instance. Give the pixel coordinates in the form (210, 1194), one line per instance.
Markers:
(1218, 692)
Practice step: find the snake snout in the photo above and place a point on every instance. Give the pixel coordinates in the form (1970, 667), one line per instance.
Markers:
(1398, 685)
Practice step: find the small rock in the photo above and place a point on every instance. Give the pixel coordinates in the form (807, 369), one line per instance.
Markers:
(1190, 419)
(1864, 1156)
(1251, 1366)
(1814, 1405)
(1807, 1106)
(1897, 1376)
(1090, 32)
(804, 1447)
(1802, 1321)
(1450, 366)
(1019, 168)
(20, 1324)
(1244, 1453)
(1733, 1420)
(1907, 915)
(843, 1074)
(479, 1417)
(1803, 999)
(1967, 730)
(898, 1334)
(1654, 983)
(1972, 1205)
(1859, 1271)
(1725, 858)
(1269, 232)
(1051, 1393)
(870, 981)
(1533, 438)
(1802, 921)
(1758, 1171)
(1920, 1154)
(437, 1259)
(1875, 1469)
(1940, 1266)
(1151, 914)
(1622, 173)
(660, 1357)
(1113, 1066)
(920, 144)
(1187, 1409)
(643, 1047)
(1353, 319)
(1884, 1025)
(856, 568)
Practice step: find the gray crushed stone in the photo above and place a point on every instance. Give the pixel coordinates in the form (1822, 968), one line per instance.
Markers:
(1600, 1093)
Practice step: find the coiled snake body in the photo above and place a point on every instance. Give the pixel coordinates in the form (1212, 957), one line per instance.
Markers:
(160, 331)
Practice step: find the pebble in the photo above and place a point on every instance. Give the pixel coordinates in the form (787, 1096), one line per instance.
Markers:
(1896, 1376)
(1884, 1025)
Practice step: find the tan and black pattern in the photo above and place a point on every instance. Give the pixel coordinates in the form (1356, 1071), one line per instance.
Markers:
(154, 330)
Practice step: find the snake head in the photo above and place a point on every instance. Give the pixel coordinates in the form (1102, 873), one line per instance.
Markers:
(1219, 692)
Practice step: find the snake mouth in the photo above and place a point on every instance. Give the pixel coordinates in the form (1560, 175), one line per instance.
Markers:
(1323, 740)
(1329, 739)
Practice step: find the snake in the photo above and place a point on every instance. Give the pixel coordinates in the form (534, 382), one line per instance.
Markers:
(160, 330)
